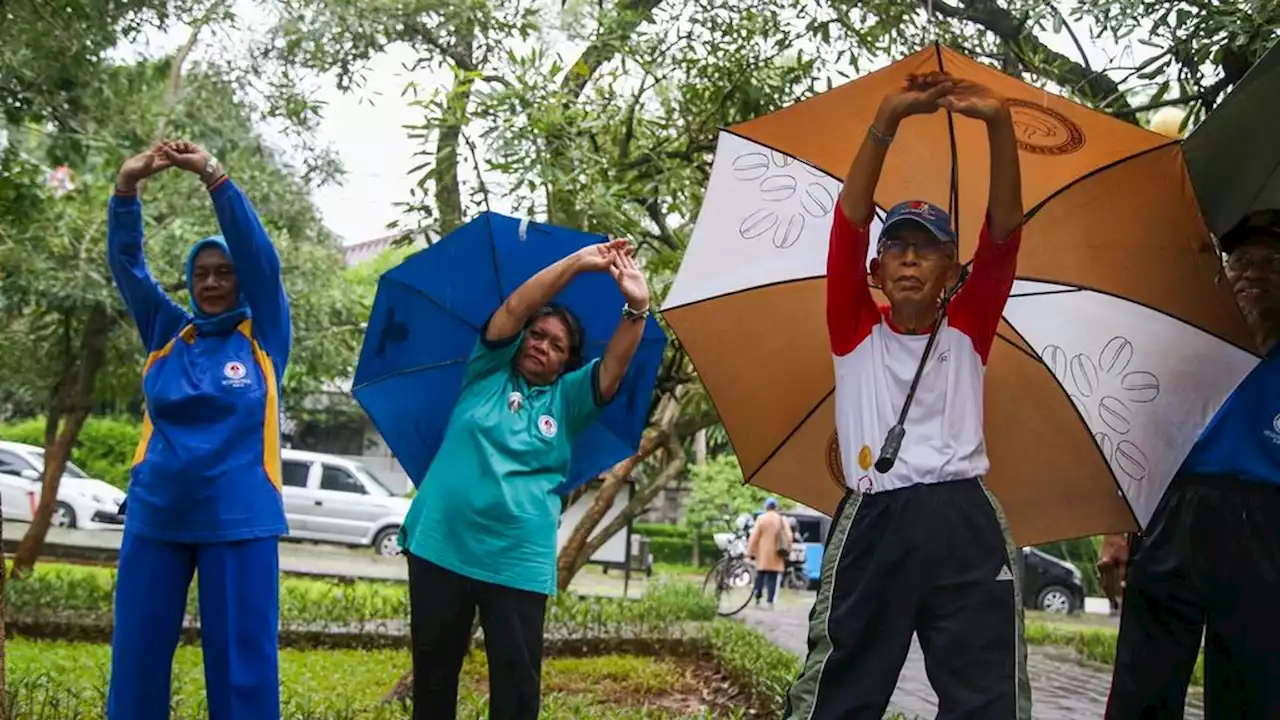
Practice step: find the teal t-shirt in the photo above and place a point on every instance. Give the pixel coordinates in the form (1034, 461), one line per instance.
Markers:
(486, 508)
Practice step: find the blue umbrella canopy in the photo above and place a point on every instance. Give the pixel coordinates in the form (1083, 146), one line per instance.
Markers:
(426, 320)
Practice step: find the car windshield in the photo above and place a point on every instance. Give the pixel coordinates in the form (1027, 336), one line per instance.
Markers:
(70, 470)
(377, 487)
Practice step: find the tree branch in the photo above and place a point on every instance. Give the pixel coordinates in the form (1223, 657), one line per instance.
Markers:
(674, 462)
(1084, 57)
(173, 87)
(664, 232)
(448, 185)
(626, 16)
(1060, 69)
(1129, 112)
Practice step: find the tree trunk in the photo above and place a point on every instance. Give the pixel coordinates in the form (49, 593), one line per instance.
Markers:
(674, 462)
(699, 458)
(571, 559)
(567, 562)
(71, 403)
(453, 119)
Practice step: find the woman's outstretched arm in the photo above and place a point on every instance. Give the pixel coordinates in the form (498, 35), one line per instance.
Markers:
(157, 316)
(540, 289)
(253, 254)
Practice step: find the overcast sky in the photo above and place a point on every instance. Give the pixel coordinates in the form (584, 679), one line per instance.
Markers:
(367, 129)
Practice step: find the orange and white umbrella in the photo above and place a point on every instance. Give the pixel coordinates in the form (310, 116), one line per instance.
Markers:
(1115, 349)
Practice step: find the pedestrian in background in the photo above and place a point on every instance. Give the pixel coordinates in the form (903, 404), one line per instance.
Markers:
(769, 545)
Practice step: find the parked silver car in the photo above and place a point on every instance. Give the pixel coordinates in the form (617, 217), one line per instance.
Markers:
(328, 498)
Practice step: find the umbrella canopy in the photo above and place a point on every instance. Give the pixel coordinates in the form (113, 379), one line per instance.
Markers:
(1234, 156)
(1114, 351)
(426, 321)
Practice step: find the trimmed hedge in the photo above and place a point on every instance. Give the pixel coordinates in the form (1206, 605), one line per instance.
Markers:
(75, 601)
(672, 620)
(67, 681)
(1096, 644)
(104, 449)
(673, 544)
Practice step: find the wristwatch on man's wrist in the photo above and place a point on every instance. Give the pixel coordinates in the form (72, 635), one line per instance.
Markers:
(212, 170)
(630, 313)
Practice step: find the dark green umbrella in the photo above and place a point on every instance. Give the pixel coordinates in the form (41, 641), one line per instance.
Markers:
(1233, 157)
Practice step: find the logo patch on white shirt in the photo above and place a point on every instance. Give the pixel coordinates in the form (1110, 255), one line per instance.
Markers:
(547, 426)
(236, 374)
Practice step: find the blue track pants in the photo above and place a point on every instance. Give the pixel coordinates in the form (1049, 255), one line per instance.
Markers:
(239, 586)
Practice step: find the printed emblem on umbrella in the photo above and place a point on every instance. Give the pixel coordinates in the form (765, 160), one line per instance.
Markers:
(1115, 348)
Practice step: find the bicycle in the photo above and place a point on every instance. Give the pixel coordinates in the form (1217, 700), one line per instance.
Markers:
(732, 574)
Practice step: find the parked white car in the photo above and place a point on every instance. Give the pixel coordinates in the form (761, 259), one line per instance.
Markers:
(83, 502)
(328, 498)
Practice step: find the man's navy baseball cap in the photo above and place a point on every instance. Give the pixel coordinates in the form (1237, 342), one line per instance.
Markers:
(1259, 224)
(927, 214)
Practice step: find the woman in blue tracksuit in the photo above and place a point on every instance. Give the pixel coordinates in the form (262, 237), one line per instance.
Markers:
(205, 488)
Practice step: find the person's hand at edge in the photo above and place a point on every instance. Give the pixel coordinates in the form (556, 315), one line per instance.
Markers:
(1113, 565)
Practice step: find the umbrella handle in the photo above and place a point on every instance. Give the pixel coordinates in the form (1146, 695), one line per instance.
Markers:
(889, 452)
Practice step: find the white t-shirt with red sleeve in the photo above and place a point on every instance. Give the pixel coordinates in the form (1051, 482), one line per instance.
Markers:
(875, 364)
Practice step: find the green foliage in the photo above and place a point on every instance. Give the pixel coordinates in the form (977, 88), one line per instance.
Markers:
(54, 252)
(719, 493)
(1083, 553)
(104, 449)
(84, 594)
(673, 544)
(754, 662)
(66, 681)
(62, 680)
(1097, 644)
(655, 531)
(53, 49)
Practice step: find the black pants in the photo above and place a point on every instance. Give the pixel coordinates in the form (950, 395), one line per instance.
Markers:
(1207, 566)
(442, 606)
(931, 559)
(766, 582)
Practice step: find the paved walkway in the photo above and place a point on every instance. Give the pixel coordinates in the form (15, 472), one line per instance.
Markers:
(296, 558)
(1062, 686)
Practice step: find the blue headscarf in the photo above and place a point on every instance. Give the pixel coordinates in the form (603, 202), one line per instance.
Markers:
(221, 323)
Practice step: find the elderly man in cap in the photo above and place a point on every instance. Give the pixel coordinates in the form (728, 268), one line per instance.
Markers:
(1208, 563)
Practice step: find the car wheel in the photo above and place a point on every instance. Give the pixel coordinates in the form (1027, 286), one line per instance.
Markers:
(387, 542)
(1054, 599)
(63, 516)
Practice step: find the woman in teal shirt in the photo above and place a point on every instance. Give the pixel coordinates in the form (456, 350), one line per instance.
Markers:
(481, 533)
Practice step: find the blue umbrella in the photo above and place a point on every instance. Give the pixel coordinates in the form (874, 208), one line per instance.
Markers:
(426, 321)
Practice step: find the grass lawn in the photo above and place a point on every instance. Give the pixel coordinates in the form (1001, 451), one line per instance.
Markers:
(1079, 619)
(62, 680)
(684, 572)
(1093, 637)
